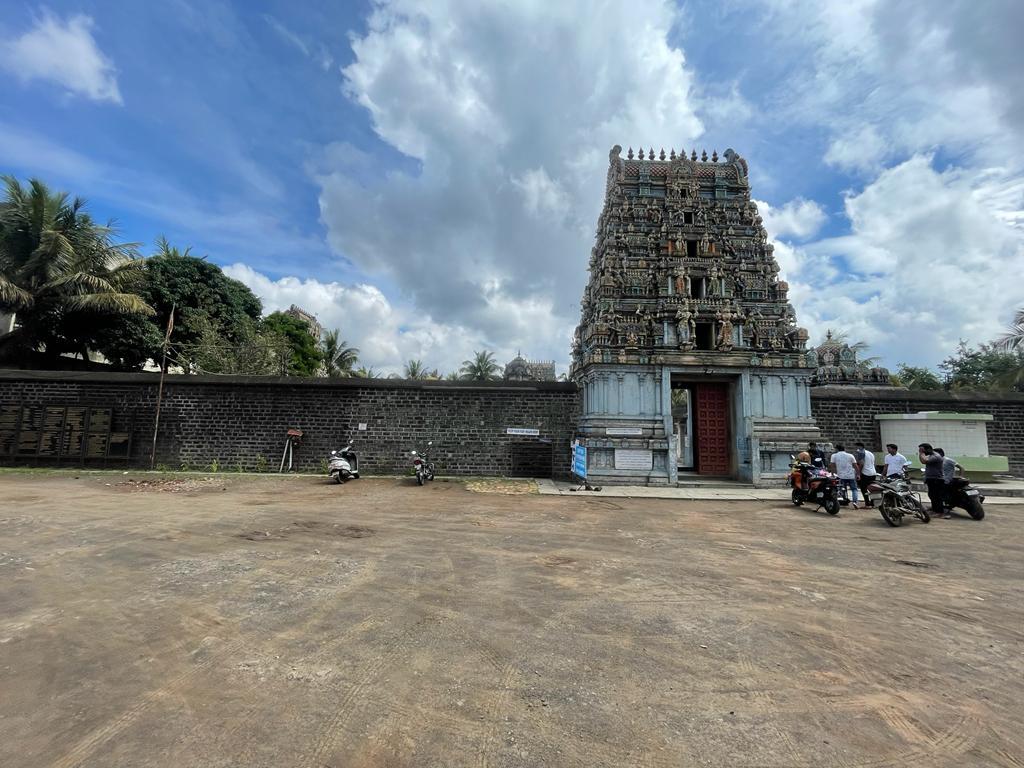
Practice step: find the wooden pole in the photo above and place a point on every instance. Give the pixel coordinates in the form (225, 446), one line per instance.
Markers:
(160, 389)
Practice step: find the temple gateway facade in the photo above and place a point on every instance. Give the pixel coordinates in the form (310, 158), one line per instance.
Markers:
(687, 355)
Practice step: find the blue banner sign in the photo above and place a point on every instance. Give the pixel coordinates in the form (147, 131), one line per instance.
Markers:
(579, 460)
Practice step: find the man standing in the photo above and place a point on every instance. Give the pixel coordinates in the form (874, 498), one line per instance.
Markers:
(950, 468)
(845, 466)
(895, 462)
(866, 464)
(932, 463)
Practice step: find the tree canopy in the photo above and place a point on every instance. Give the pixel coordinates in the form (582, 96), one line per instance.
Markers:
(66, 276)
(305, 355)
(481, 368)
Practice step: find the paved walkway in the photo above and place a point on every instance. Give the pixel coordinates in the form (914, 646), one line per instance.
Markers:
(740, 493)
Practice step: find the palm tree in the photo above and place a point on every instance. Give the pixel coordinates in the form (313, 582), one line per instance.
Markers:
(339, 357)
(481, 368)
(414, 369)
(58, 269)
(362, 372)
(1014, 338)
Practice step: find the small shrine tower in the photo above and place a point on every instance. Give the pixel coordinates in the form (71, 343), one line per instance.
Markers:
(687, 354)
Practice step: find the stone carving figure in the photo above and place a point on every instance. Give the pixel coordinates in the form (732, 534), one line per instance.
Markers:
(685, 326)
(725, 330)
(682, 281)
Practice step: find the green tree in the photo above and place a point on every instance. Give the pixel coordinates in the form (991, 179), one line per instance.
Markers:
(60, 272)
(252, 353)
(1013, 339)
(414, 369)
(362, 372)
(452, 376)
(481, 368)
(914, 377)
(205, 301)
(306, 356)
(984, 368)
(339, 357)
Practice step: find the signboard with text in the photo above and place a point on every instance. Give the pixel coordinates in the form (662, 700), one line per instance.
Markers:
(627, 458)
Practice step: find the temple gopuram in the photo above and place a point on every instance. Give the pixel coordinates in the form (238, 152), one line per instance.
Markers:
(688, 355)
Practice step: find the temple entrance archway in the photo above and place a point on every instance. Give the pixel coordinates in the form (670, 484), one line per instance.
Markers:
(702, 424)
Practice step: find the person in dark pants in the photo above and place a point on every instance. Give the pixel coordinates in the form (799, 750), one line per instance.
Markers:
(932, 463)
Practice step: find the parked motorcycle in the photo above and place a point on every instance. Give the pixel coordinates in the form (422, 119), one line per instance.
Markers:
(895, 498)
(343, 465)
(959, 493)
(814, 483)
(422, 465)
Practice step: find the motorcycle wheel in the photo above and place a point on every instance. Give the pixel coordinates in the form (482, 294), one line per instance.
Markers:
(419, 478)
(832, 506)
(337, 478)
(890, 514)
(797, 499)
(918, 509)
(974, 509)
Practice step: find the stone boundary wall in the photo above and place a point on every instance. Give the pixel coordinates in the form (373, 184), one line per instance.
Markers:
(240, 421)
(847, 414)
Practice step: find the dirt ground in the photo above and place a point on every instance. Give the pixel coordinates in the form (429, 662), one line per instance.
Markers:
(289, 622)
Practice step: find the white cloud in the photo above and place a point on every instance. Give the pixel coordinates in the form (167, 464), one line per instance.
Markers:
(63, 52)
(891, 79)
(799, 218)
(510, 109)
(932, 257)
(388, 335)
(316, 53)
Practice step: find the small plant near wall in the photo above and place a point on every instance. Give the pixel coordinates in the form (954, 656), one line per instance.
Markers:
(323, 466)
(261, 463)
(215, 465)
(239, 468)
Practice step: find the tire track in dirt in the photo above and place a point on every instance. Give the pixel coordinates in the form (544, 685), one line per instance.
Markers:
(326, 743)
(89, 744)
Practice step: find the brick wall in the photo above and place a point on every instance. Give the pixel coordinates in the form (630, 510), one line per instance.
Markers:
(847, 414)
(240, 422)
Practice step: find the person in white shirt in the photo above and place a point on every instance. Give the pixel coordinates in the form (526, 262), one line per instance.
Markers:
(895, 462)
(845, 466)
(866, 463)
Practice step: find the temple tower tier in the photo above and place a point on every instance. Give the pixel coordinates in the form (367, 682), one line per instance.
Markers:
(688, 356)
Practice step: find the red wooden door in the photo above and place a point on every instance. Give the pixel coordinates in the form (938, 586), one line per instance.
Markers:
(712, 428)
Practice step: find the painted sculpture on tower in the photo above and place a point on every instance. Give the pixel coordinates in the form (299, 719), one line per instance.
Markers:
(680, 244)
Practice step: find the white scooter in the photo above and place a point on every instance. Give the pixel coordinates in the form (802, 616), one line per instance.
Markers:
(343, 465)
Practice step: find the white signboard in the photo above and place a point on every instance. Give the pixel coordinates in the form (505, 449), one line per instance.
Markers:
(624, 431)
(632, 458)
(362, 427)
(522, 431)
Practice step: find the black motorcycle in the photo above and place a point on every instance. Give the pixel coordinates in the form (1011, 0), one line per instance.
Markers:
(959, 493)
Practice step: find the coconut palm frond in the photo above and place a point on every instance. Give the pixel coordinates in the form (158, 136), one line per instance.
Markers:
(54, 255)
(81, 283)
(110, 303)
(1014, 337)
(13, 297)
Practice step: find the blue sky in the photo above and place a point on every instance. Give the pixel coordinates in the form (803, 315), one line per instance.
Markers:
(427, 176)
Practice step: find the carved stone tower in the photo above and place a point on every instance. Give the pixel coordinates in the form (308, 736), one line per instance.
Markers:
(687, 353)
